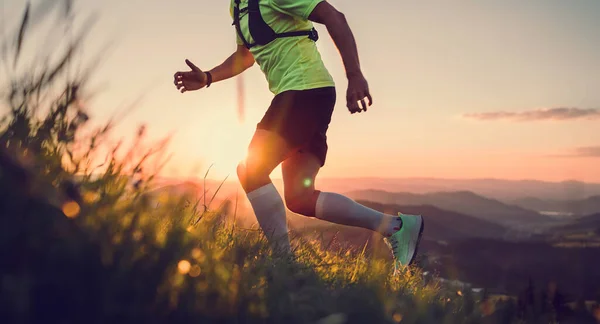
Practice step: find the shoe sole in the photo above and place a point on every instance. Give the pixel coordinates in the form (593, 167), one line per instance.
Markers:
(412, 259)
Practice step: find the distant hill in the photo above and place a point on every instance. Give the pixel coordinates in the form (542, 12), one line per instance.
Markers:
(585, 206)
(187, 187)
(195, 188)
(508, 266)
(444, 225)
(441, 226)
(591, 220)
(503, 190)
(589, 225)
(463, 202)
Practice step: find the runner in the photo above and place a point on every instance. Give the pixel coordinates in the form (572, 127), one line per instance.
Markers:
(280, 37)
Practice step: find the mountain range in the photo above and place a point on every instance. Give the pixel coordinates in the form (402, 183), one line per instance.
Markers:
(587, 206)
(506, 191)
(464, 202)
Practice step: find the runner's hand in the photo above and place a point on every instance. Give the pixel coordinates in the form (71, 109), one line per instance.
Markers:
(190, 80)
(358, 90)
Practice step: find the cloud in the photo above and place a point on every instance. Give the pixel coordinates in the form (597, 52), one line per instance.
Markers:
(554, 114)
(588, 151)
(581, 152)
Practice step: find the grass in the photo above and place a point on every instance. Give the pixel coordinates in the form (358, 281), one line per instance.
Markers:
(116, 256)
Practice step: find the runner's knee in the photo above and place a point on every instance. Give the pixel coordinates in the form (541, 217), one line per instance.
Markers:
(303, 204)
(253, 173)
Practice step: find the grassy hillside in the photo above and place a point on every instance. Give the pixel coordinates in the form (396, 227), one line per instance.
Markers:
(128, 262)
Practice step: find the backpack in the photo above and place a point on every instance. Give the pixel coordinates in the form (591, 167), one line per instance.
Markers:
(261, 32)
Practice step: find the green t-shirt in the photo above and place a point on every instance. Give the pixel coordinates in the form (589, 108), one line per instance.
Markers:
(289, 63)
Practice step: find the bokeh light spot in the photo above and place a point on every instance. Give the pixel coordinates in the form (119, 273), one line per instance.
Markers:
(138, 235)
(90, 197)
(71, 209)
(397, 317)
(195, 271)
(307, 182)
(184, 266)
(197, 253)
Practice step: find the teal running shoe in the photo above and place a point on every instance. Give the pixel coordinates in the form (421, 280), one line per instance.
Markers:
(404, 242)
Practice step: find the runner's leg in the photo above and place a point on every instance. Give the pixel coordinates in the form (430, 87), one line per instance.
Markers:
(267, 149)
(299, 174)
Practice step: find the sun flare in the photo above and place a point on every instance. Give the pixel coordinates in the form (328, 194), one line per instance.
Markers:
(229, 146)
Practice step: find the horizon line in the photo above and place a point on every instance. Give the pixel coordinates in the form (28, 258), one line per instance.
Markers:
(230, 179)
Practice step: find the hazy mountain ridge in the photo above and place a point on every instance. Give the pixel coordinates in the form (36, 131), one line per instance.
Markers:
(587, 225)
(506, 191)
(493, 188)
(463, 202)
(503, 190)
(587, 206)
(466, 203)
(444, 225)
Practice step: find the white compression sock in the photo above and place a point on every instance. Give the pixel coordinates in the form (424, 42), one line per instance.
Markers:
(270, 213)
(339, 209)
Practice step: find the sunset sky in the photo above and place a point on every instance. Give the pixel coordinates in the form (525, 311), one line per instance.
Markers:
(462, 89)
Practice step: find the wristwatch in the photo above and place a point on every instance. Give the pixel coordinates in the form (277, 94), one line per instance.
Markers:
(208, 79)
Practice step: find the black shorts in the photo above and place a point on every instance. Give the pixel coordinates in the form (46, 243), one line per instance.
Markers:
(302, 117)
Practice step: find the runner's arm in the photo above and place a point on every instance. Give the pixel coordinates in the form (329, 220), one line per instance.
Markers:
(337, 26)
(235, 64)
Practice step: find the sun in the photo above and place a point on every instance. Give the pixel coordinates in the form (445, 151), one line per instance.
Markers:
(229, 146)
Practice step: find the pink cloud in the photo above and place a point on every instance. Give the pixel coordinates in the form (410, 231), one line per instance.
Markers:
(588, 151)
(580, 152)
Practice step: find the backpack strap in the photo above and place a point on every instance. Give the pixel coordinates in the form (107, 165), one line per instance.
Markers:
(236, 21)
(261, 32)
(312, 34)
